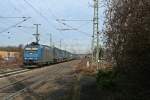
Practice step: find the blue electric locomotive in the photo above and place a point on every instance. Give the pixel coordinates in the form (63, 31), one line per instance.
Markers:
(36, 54)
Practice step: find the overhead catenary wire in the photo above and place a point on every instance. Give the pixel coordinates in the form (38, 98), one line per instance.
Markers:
(38, 12)
(12, 26)
(55, 17)
(14, 6)
(25, 26)
(18, 8)
(69, 26)
(75, 29)
(74, 20)
(13, 17)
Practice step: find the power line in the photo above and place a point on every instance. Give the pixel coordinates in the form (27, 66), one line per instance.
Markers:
(72, 28)
(73, 20)
(75, 29)
(38, 12)
(14, 17)
(65, 29)
(14, 6)
(25, 26)
(13, 25)
(51, 12)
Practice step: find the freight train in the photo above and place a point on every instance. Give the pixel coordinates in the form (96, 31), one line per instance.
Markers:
(39, 55)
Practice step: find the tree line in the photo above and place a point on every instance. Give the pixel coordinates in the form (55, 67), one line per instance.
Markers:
(11, 48)
(127, 32)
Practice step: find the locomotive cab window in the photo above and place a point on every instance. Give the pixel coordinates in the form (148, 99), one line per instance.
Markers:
(31, 49)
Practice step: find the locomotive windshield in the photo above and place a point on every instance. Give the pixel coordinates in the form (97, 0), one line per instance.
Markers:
(31, 49)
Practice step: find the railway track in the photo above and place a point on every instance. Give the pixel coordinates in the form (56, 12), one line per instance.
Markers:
(18, 71)
(13, 72)
(49, 76)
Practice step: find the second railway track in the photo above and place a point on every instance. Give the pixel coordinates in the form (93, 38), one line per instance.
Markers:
(37, 81)
(17, 71)
(12, 72)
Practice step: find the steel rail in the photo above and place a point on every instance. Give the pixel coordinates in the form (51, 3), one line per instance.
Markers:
(43, 79)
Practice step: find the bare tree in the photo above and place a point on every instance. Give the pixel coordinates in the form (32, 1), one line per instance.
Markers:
(128, 37)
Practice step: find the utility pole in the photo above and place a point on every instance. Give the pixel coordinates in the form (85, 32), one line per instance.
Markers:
(65, 51)
(95, 36)
(50, 40)
(37, 33)
(60, 43)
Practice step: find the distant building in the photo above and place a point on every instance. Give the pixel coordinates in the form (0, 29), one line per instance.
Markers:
(6, 55)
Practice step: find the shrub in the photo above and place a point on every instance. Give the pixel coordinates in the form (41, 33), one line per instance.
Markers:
(105, 79)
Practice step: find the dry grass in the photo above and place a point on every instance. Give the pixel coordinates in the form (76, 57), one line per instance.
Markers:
(92, 68)
(12, 64)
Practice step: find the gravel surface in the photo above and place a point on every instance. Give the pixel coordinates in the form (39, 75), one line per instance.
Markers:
(48, 83)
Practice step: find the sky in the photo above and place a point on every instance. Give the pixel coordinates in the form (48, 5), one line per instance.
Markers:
(46, 12)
